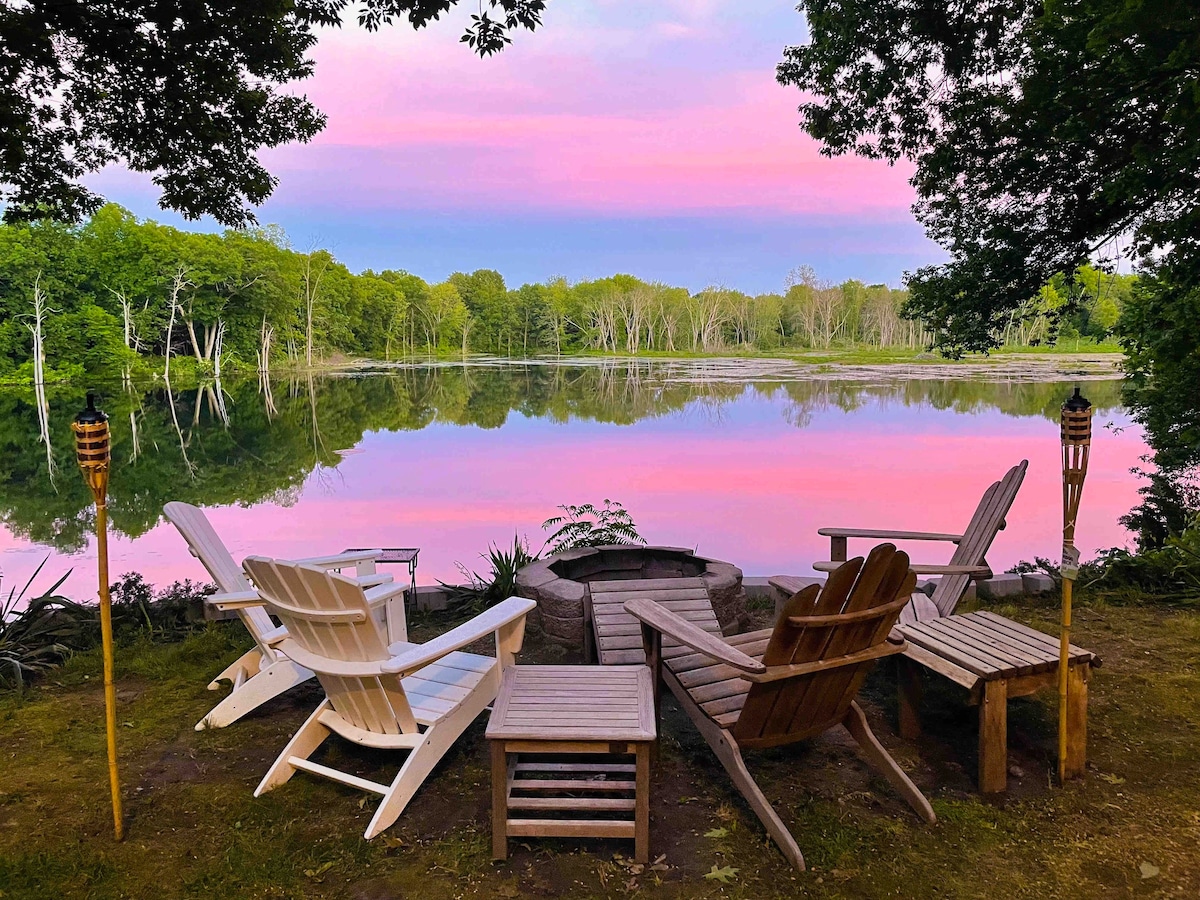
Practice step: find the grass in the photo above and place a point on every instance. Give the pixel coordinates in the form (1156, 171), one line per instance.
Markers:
(194, 830)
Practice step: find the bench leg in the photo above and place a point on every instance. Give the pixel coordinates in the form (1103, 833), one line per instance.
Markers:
(641, 826)
(1076, 720)
(499, 800)
(993, 737)
(908, 678)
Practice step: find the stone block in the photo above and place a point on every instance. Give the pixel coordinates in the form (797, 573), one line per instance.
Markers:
(1037, 582)
(999, 587)
(757, 588)
(568, 632)
(429, 597)
(562, 599)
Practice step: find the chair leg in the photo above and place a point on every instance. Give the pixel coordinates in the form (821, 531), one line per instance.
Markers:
(993, 737)
(908, 680)
(279, 676)
(439, 738)
(877, 756)
(730, 756)
(303, 744)
(245, 666)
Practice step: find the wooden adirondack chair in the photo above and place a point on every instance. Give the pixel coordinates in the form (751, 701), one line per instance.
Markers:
(791, 682)
(414, 697)
(262, 673)
(967, 562)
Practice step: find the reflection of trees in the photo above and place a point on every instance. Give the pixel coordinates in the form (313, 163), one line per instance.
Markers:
(247, 442)
(1012, 398)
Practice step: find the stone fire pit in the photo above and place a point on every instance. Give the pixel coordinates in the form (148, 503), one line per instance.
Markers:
(560, 584)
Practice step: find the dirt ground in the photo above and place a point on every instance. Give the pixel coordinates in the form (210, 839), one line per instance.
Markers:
(1130, 828)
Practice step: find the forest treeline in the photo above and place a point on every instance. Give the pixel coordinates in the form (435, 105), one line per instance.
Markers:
(117, 295)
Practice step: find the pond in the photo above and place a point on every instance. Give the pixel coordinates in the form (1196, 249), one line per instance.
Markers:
(740, 461)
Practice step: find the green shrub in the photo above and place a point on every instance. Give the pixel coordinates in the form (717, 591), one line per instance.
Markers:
(41, 635)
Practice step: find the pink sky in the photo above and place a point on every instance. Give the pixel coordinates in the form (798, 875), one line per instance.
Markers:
(612, 108)
(624, 136)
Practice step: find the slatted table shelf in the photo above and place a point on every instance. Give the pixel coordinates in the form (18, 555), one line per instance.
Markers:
(619, 635)
(995, 658)
(582, 716)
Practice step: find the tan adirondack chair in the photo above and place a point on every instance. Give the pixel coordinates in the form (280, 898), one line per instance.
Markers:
(262, 673)
(968, 561)
(414, 697)
(792, 682)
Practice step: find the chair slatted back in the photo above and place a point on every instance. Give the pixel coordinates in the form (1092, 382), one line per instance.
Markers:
(206, 546)
(327, 615)
(855, 610)
(986, 523)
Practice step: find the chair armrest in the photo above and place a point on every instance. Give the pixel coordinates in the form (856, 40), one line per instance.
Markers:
(887, 533)
(976, 572)
(341, 560)
(382, 592)
(668, 623)
(487, 622)
(235, 600)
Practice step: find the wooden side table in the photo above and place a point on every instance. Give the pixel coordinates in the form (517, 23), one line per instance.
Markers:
(582, 716)
(995, 658)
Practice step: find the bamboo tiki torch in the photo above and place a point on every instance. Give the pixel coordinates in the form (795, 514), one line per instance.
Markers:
(92, 452)
(1076, 443)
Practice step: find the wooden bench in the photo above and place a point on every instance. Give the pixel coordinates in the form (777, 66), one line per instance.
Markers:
(580, 713)
(618, 635)
(994, 658)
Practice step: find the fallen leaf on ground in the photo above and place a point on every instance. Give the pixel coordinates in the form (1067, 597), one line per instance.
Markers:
(1148, 870)
(717, 833)
(725, 874)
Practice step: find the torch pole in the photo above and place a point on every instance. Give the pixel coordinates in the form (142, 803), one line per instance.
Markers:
(1076, 446)
(110, 689)
(92, 453)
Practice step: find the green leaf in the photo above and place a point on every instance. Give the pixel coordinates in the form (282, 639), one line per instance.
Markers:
(1148, 870)
(717, 833)
(726, 874)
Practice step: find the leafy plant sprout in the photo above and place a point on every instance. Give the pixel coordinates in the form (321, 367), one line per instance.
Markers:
(590, 526)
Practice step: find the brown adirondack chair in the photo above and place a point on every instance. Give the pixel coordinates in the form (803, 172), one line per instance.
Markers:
(968, 561)
(792, 682)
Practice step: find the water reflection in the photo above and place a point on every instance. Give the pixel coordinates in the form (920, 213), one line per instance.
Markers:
(458, 455)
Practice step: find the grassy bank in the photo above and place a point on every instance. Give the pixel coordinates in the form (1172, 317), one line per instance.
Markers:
(1131, 828)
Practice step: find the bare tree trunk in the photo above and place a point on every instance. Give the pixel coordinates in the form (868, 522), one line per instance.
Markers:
(218, 341)
(312, 284)
(179, 281)
(40, 311)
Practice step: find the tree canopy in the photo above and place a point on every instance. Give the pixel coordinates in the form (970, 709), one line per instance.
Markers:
(187, 91)
(1041, 132)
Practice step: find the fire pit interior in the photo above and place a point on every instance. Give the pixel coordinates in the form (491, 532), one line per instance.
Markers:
(560, 584)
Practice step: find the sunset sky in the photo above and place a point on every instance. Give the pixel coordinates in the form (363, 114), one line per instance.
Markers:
(624, 136)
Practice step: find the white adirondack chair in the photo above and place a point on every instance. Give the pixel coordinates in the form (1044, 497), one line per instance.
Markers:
(414, 697)
(262, 672)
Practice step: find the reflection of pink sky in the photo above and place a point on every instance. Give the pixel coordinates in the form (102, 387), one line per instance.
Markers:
(754, 497)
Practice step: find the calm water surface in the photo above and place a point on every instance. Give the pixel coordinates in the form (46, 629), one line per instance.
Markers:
(744, 463)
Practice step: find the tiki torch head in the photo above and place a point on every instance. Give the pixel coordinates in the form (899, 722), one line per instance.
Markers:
(1076, 443)
(91, 448)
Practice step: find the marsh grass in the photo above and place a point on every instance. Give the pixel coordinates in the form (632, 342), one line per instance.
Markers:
(196, 831)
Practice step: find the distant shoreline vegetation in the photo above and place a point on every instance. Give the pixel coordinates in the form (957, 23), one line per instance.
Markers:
(121, 297)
